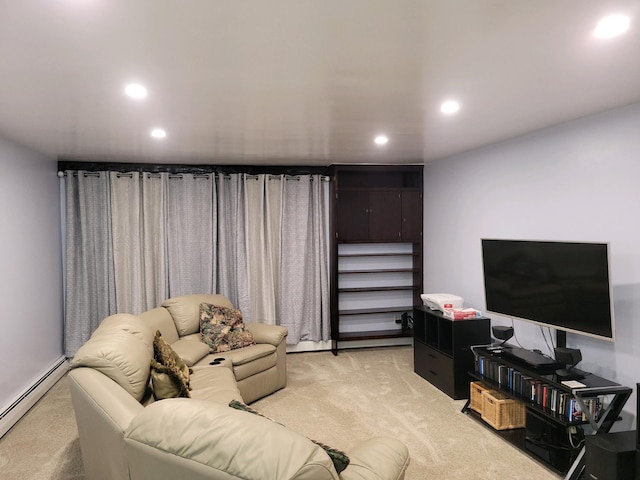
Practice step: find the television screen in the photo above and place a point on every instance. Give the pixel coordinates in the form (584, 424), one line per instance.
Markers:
(561, 285)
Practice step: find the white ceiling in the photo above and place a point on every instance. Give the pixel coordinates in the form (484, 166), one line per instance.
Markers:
(304, 82)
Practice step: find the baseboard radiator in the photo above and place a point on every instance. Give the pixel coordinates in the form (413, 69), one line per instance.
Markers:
(15, 410)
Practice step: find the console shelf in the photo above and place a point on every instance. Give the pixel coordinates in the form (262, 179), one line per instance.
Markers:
(594, 404)
(369, 311)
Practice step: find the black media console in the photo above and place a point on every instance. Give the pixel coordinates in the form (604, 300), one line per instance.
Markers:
(558, 414)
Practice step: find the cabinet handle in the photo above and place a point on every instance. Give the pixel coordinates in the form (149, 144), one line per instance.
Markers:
(433, 373)
(432, 356)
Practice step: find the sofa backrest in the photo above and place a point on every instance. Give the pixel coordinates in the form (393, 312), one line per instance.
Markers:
(185, 310)
(160, 319)
(121, 349)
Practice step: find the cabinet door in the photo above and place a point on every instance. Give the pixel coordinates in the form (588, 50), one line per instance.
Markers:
(412, 216)
(352, 216)
(384, 216)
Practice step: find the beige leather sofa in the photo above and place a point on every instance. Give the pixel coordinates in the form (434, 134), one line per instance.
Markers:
(125, 434)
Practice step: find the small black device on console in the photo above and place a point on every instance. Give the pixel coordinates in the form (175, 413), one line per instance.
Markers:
(533, 360)
(502, 333)
(569, 357)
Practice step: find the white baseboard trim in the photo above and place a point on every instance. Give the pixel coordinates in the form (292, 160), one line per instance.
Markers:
(309, 347)
(320, 346)
(382, 342)
(16, 409)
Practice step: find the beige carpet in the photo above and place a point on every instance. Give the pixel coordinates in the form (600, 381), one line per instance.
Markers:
(337, 400)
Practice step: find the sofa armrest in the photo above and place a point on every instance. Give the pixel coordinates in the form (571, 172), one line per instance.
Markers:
(381, 458)
(264, 333)
(185, 437)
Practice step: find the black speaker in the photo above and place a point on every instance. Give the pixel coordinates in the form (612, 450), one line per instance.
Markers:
(502, 333)
(611, 456)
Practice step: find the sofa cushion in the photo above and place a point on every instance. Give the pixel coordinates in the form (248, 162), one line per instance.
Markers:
(169, 373)
(185, 310)
(120, 356)
(222, 328)
(190, 351)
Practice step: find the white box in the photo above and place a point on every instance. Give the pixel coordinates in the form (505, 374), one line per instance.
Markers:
(440, 301)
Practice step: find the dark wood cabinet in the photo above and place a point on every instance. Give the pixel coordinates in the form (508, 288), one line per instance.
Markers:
(374, 210)
(378, 204)
(352, 214)
(411, 229)
(442, 349)
(385, 216)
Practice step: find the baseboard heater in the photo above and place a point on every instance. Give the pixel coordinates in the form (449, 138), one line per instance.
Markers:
(21, 405)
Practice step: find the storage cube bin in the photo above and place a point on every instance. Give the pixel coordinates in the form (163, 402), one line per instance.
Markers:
(475, 395)
(501, 411)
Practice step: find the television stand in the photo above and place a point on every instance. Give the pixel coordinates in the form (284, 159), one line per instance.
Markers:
(549, 403)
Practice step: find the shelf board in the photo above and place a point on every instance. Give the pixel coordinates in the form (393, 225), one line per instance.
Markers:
(398, 188)
(399, 254)
(528, 402)
(365, 311)
(381, 270)
(377, 289)
(374, 334)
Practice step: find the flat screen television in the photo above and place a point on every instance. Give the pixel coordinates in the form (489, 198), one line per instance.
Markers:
(562, 285)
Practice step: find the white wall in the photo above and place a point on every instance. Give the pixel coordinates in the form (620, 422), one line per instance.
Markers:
(31, 323)
(578, 181)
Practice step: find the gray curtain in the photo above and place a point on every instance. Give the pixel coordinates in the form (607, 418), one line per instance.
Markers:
(90, 282)
(191, 234)
(231, 256)
(263, 207)
(134, 239)
(304, 303)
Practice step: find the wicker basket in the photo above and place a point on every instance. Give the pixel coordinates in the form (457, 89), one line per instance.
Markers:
(501, 411)
(475, 395)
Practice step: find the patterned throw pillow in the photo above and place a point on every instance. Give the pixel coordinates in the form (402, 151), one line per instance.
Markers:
(222, 328)
(338, 457)
(169, 374)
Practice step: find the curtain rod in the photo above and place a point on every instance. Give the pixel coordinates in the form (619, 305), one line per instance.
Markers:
(64, 165)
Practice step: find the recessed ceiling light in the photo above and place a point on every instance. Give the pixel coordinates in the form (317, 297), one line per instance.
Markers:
(158, 133)
(381, 140)
(612, 26)
(135, 90)
(449, 107)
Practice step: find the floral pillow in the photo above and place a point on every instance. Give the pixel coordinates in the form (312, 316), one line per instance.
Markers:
(169, 374)
(222, 328)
